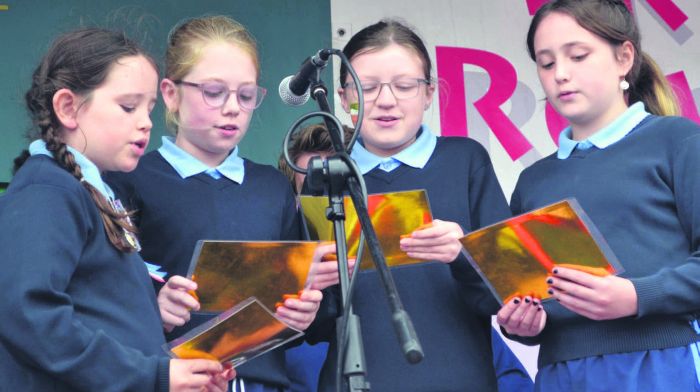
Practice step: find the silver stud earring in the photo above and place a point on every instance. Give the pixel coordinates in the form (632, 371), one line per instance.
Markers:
(624, 85)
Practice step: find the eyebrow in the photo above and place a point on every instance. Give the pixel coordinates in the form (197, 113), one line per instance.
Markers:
(567, 45)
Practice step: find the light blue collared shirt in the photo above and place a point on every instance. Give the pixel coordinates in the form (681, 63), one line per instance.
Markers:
(91, 173)
(186, 165)
(605, 137)
(416, 155)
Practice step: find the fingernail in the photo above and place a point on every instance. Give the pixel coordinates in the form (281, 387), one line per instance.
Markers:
(555, 271)
(550, 291)
(534, 302)
(516, 301)
(527, 300)
(540, 308)
(550, 280)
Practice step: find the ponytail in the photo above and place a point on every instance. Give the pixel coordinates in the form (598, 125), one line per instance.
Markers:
(652, 88)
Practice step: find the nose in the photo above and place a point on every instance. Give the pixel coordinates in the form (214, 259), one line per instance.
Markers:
(385, 96)
(231, 105)
(561, 72)
(145, 124)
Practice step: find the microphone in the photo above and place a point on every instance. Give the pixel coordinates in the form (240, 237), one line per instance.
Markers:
(294, 89)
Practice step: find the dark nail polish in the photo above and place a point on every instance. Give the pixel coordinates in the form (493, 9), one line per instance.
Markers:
(555, 271)
(527, 300)
(550, 281)
(550, 291)
(539, 308)
(535, 303)
(516, 301)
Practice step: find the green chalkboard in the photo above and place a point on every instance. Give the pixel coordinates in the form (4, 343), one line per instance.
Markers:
(287, 32)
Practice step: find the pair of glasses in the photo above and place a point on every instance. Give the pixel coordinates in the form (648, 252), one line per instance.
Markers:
(216, 94)
(401, 88)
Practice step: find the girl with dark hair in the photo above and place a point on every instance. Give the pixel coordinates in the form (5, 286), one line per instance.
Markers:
(636, 331)
(79, 312)
(449, 304)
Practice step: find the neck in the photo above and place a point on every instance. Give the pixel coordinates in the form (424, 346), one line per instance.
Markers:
(582, 129)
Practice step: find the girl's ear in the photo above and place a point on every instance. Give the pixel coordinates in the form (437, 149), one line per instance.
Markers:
(171, 96)
(343, 100)
(65, 105)
(429, 91)
(625, 56)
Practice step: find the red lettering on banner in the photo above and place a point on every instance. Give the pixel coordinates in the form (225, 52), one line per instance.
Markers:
(453, 119)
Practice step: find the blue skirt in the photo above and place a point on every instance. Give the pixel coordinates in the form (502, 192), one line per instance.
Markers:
(672, 369)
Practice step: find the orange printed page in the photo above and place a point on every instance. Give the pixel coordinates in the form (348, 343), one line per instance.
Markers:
(228, 272)
(517, 255)
(237, 335)
(392, 214)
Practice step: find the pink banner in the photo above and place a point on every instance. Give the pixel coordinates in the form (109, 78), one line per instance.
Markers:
(453, 118)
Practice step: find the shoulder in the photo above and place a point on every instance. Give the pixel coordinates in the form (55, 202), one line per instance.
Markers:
(41, 171)
(461, 151)
(41, 189)
(669, 126)
(264, 173)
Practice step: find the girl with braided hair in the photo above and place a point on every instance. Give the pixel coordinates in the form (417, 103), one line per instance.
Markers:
(79, 310)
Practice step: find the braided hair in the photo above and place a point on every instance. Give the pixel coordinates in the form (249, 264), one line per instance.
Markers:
(79, 61)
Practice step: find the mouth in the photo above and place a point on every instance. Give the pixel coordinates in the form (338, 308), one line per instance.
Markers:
(141, 144)
(566, 94)
(387, 120)
(227, 127)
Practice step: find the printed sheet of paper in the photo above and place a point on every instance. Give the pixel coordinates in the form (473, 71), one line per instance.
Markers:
(228, 272)
(236, 335)
(392, 215)
(515, 256)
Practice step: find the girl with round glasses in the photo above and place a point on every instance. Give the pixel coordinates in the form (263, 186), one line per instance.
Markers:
(449, 305)
(196, 186)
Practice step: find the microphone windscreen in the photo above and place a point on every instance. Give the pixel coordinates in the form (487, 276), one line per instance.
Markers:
(288, 96)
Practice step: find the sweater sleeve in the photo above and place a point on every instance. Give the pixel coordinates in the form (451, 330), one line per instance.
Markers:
(674, 290)
(43, 231)
(487, 205)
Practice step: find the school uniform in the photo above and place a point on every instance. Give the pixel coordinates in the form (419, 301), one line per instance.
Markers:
(78, 314)
(637, 179)
(179, 200)
(448, 303)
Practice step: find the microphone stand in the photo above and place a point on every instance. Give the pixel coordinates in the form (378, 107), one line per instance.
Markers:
(337, 175)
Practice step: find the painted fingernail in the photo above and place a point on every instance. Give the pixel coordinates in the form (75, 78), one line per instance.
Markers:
(534, 302)
(516, 301)
(550, 291)
(555, 271)
(527, 300)
(539, 308)
(550, 280)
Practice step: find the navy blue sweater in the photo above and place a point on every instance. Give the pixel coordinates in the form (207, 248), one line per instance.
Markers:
(173, 213)
(448, 303)
(643, 194)
(77, 314)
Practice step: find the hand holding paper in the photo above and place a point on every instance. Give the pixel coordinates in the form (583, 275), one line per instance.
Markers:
(438, 240)
(326, 270)
(595, 297)
(175, 302)
(523, 316)
(300, 312)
